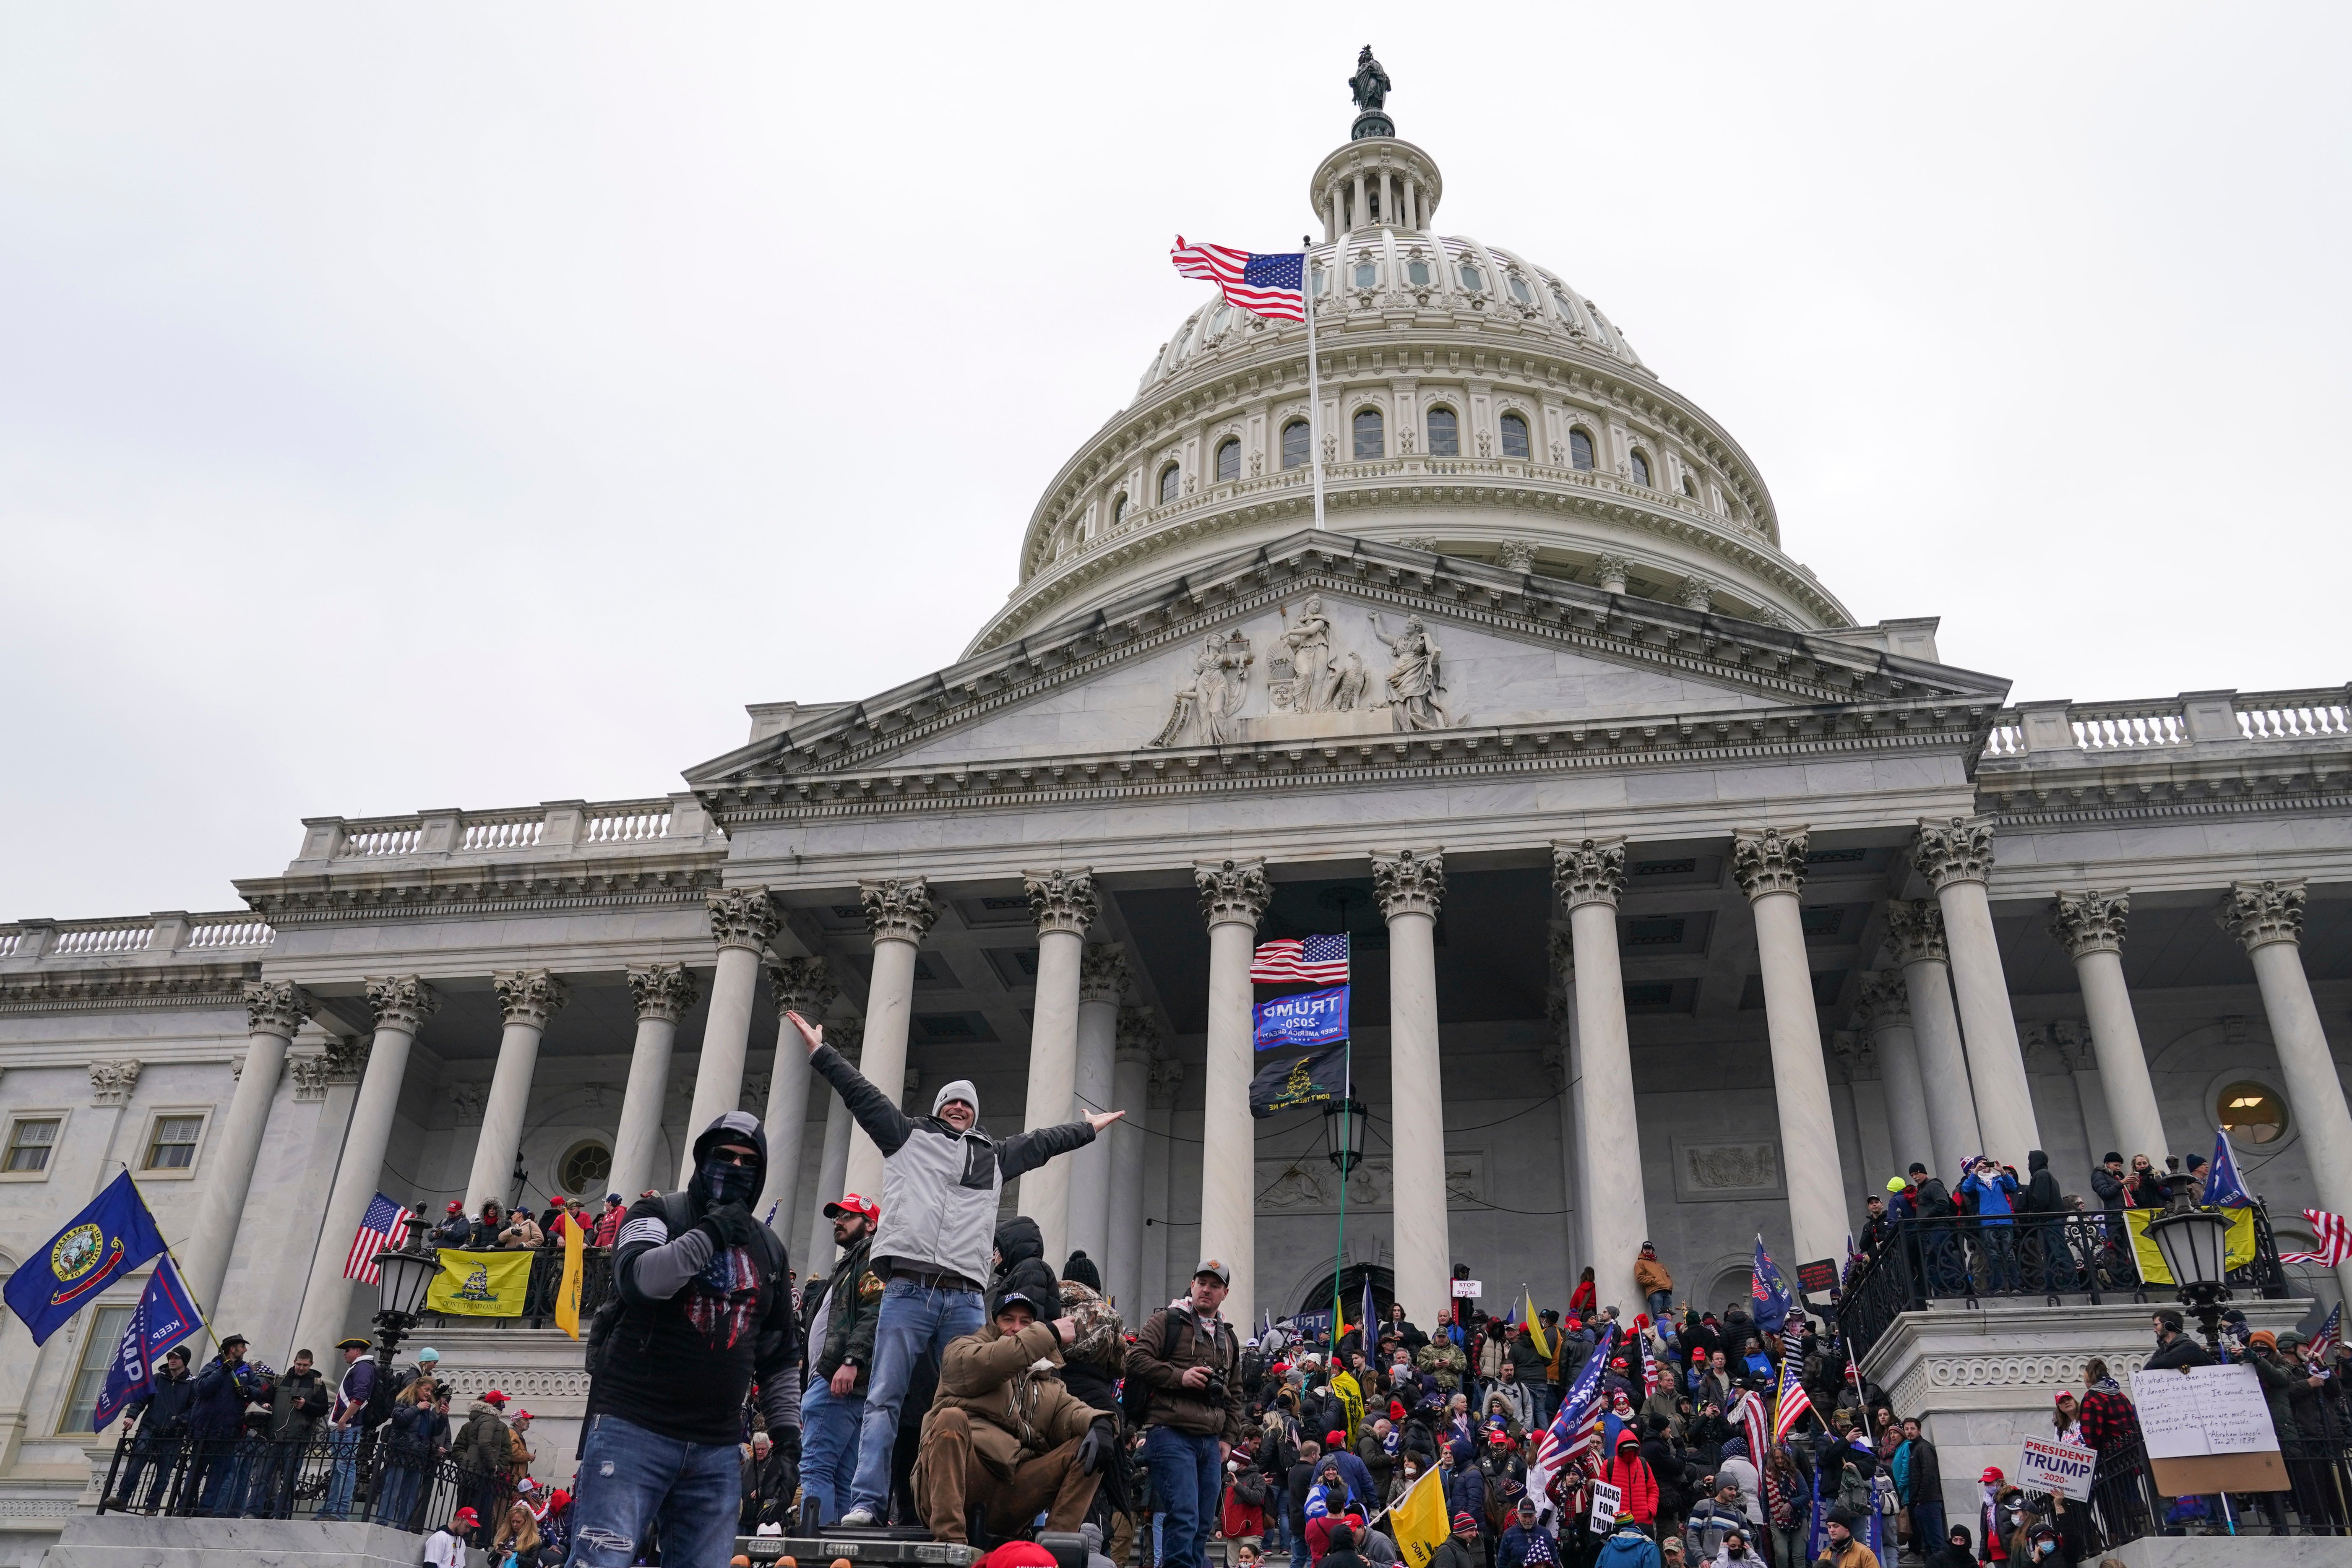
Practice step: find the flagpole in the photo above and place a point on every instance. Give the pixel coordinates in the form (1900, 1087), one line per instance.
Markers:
(1339, 1246)
(1314, 431)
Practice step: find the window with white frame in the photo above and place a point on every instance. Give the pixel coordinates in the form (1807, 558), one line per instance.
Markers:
(172, 1141)
(32, 1143)
(100, 1334)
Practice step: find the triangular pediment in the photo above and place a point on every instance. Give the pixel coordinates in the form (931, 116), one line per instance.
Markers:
(1235, 656)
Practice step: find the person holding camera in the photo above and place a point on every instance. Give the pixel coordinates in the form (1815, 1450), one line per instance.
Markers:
(1995, 1191)
(1187, 1359)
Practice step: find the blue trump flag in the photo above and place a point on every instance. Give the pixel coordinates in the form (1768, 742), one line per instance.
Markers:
(2223, 1190)
(1769, 1298)
(165, 1315)
(99, 1246)
(1308, 1018)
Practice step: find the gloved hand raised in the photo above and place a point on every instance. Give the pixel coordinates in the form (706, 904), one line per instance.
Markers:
(1098, 1446)
(730, 1224)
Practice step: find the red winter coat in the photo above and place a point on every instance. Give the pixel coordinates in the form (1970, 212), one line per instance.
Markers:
(1639, 1485)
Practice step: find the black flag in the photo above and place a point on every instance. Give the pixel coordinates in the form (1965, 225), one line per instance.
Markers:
(1292, 1079)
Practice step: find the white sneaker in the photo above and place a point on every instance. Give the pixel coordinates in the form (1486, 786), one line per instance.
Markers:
(858, 1516)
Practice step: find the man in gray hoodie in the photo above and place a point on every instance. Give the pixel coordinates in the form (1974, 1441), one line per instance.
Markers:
(941, 1179)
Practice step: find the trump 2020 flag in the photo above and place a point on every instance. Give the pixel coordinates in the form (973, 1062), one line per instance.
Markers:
(165, 1315)
(1577, 1424)
(1769, 1301)
(1308, 1018)
(99, 1246)
(2223, 1190)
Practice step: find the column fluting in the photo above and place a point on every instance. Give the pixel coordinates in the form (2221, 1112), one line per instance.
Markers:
(1410, 886)
(1234, 895)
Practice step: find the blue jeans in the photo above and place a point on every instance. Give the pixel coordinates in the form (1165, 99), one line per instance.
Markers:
(1927, 1529)
(337, 1503)
(2000, 1243)
(630, 1479)
(1546, 1398)
(829, 1434)
(396, 1499)
(916, 1323)
(1186, 1475)
(1661, 1302)
(1299, 1555)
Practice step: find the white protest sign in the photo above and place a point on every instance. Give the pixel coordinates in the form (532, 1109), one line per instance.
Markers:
(2204, 1410)
(1469, 1288)
(2059, 1468)
(1605, 1498)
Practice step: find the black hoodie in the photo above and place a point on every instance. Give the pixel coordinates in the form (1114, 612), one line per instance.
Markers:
(2042, 1194)
(687, 1349)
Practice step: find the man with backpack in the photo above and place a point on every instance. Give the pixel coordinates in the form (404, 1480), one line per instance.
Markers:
(1940, 1247)
(357, 1412)
(1184, 1370)
(702, 1310)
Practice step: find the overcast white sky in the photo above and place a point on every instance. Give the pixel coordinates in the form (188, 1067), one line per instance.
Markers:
(434, 405)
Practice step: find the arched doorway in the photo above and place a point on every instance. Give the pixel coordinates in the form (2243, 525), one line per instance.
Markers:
(1351, 1291)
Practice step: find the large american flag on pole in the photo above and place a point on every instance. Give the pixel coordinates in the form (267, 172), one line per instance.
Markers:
(1789, 1401)
(1316, 960)
(1578, 1425)
(2324, 1341)
(1747, 1414)
(383, 1228)
(1272, 285)
(2335, 1239)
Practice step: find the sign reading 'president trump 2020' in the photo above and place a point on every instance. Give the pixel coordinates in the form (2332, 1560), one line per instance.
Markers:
(1309, 1018)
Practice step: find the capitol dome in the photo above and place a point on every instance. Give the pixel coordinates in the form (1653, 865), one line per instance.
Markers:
(1474, 403)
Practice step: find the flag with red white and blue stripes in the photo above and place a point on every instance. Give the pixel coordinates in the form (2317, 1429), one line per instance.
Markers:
(383, 1228)
(1271, 284)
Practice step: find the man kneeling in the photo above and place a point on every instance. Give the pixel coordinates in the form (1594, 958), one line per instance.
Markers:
(1003, 1437)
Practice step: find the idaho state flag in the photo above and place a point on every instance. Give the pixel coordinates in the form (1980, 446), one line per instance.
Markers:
(99, 1246)
(481, 1284)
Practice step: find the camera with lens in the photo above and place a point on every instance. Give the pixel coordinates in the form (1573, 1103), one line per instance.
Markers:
(1213, 1391)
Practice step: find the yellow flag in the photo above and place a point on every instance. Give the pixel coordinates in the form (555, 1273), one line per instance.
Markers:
(1419, 1520)
(567, 1293)
(1535, 1327)
(1351, 1401)
(481, 1284)
(2237, 1248)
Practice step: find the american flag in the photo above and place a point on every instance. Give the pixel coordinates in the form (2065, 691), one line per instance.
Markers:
(1317, 959)
(1747, 1414)
(1789, 1401)
(2334, 1238)
(1273, 285)
(2324, 1341)
(381, 1230)
(1649, 1367)
(1578, 1425)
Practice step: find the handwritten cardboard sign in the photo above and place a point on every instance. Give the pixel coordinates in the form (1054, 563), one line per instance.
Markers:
(1605, 1501)
(2204, 1410)
(2044, 1467)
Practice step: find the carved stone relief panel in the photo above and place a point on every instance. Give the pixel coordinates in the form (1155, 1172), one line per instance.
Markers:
(1726, 1172)
(1310, 1183)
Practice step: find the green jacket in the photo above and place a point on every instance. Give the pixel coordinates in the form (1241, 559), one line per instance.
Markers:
(852, 1307)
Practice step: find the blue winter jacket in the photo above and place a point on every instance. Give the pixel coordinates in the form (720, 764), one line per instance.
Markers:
(1994, 1198)
(221, 1395)
(1629, 1548)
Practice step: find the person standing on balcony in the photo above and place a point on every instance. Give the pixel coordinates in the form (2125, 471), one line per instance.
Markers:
(840, 1335)
(455, 1229)
(608, 1223)
(941, 1179)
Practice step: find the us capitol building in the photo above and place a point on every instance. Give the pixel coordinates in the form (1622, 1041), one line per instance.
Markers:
(1682, 905)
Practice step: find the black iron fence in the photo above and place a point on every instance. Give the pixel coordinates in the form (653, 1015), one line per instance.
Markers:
(2051, 1257)
(366, 1478)
(538, 1295)
(2126, 1503)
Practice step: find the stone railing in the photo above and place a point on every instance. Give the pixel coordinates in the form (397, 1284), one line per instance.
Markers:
(2191, 718)
(557, 826)
(145, 936)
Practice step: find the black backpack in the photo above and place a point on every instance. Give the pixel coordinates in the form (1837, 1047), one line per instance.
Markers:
(678, 1217)
(378, 1408)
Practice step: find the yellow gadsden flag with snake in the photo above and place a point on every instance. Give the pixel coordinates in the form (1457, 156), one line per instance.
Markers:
(1419, 1520)
(481, 1284)
(567, 1293)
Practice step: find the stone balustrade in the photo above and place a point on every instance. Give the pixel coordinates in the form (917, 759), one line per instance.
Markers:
(559, 825)
(145, 936)
(2048, 731)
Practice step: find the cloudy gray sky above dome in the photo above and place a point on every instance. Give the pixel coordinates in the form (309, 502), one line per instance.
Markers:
(461, 406)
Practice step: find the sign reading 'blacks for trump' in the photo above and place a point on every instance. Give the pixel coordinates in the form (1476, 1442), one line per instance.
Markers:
(1309, 1018)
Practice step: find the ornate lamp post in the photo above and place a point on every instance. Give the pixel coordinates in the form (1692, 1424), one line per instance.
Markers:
(402, 1280)
(2194, 1242)
(1343, 1122)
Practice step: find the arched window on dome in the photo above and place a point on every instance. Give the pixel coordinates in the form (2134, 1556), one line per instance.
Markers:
(1641, 467)
(1372, 436)
(1368, 272)
(1183, 340)
(1579, 450)
(1690, 485)
(1217, 318)
(1416, 271)
(1444, 434)
(1168, 479)
(1567, 312)
(1118, 509)
(1229, 458)
(1519, 291)
(1295, 441)
(1474, 281)
(1515, 437)
(1321, 280)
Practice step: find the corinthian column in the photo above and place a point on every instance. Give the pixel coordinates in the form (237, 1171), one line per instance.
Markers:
(1131, 1086)
(1065, 905)
(1234, 894)
(274, 1010)
(1915, 935)
(1954, 853)
(2267, 918)
(1102, 981)
(898, 910)
(665, 993)
(401, 1004)
(847, 1037)
(528, 998)
(1589, 874)
(1885, 1013)
(742, 920)
(1770, 866)
(802, 985)
(1409, 885)
(2091, 924)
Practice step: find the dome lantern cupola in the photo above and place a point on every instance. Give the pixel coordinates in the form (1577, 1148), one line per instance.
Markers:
(1375, 181)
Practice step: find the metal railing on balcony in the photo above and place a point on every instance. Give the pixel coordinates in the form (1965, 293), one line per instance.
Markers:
(353, 1476)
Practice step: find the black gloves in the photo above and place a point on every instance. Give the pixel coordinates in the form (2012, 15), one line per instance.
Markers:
(729, 1226)
(1099, 1445)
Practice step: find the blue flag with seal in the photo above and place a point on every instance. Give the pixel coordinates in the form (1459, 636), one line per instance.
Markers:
(1769, 1298)
(99, 1246)
(165, 1315)
(1308, 1018)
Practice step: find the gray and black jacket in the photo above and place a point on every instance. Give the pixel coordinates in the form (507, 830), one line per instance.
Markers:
(852, 1305)
(940, 1187)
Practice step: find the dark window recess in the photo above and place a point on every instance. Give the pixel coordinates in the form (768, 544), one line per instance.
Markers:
(1024, 959)
(1660, 994)
(931, 971)
(995, 905)
(1823, 922)
(1834, 857)
(1665, 868)
(947, 1027)
(1656, 930)
(848, 913)
(1827, 983)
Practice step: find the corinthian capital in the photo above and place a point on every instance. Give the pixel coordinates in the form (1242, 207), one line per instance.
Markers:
(1408, 882)
(276, 1007)
(1886, 1000)
(1232, 893)
(1062, 900)
(1103, 973)
(742, 917)
(2260, 913)
(802, 985)
(1139, 1034)
(111, 1083)
(664, 992)
(1953, 849)
(846, 1035)
(529, 996)
(897, 909)
(2090, 921)
(1855, 1054)
(1773, 861)
(1914, 931)
(1589, 871)
(1610, 572)
(402, 1002)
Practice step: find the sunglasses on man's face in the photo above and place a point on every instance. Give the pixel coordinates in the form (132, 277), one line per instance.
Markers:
(733, 1157)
